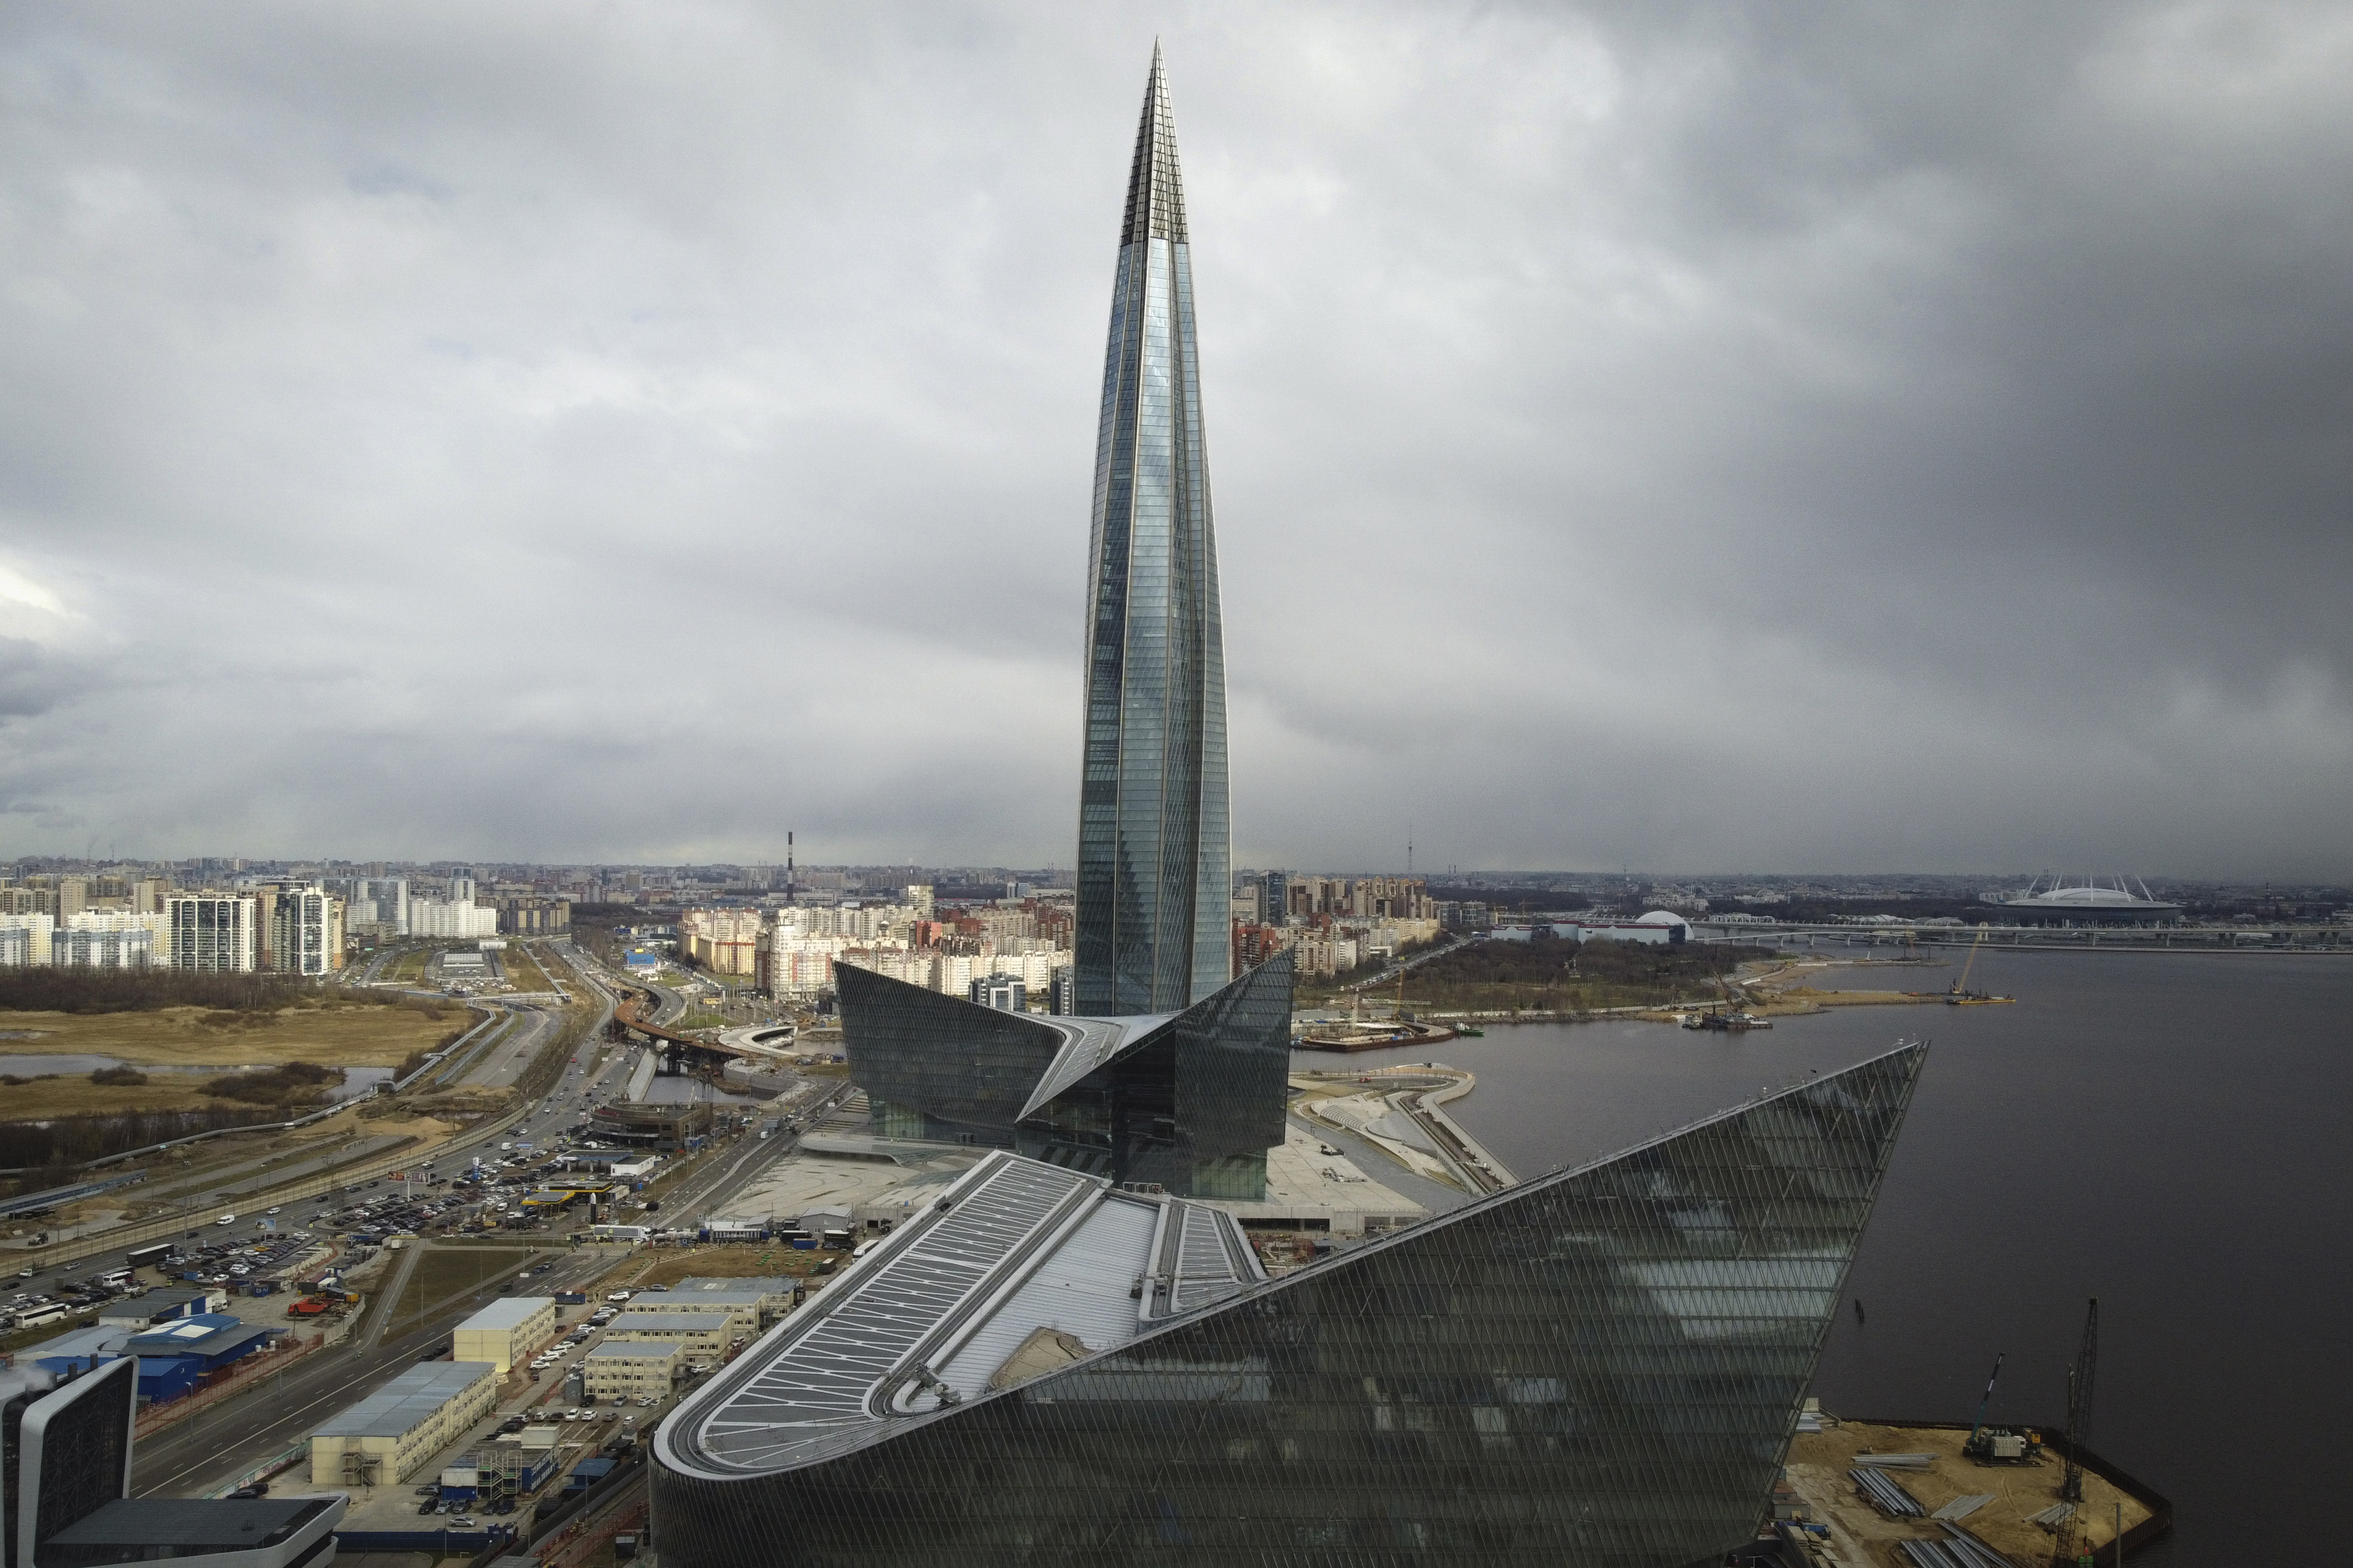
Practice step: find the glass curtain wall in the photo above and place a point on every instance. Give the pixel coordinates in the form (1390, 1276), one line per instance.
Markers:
(1599, 1367)
(937, 1067)
(1154, 855)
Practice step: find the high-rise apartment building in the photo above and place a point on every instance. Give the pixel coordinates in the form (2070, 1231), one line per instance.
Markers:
(433, 918)
(107, 939)
(306, 933)
(386, 898)
(25, 939)
(213, 933)
(1154, 852)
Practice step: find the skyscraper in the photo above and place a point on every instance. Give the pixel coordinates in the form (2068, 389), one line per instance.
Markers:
(1154, 851)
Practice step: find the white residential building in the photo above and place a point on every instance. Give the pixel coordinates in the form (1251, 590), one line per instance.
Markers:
(213, 933)
(25, 941)
(432, 918)
(107, 939)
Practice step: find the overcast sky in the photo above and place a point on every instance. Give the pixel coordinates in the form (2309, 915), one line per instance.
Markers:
(1732, 437)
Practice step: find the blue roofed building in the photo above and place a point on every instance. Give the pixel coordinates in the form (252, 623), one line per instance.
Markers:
(173, 1357)
(209, 1340)
(70, 1354)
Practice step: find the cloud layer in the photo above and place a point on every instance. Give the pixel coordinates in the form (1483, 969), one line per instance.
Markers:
(1683, 437)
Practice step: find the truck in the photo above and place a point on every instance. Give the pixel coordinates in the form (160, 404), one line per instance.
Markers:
(148, 1257)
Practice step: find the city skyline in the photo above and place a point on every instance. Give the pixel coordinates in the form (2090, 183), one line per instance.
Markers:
(1841, 440)
(1154, 859)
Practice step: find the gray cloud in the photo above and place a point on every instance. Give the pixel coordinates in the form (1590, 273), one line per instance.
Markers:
(1676, 435)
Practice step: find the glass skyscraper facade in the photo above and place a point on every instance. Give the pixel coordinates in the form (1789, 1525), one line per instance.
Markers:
(1188, 1101)
(1155, 844)
(1602, 1366)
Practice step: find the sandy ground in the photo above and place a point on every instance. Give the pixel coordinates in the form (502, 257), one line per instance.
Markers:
(1818, 1462)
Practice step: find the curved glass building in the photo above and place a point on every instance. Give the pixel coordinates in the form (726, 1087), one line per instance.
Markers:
(1600, 1366)
(1188, 1101)
(1155, 877)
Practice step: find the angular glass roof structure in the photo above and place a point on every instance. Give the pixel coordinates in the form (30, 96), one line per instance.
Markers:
(1154, 853)
(1189, 1101)
(1600, 1366)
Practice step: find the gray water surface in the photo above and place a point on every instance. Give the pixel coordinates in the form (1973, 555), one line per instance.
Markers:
(2164, 1131)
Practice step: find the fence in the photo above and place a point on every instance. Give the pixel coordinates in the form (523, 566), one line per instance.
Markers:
(584, 1539)
(235, 1378)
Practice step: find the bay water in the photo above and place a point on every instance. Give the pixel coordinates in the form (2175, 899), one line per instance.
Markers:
(2167, 1132)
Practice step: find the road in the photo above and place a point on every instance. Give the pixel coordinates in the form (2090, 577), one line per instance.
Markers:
(271, 1183)
(214, 1447)
(1394, 969)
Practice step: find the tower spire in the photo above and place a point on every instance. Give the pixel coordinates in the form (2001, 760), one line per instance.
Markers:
(1156, 197)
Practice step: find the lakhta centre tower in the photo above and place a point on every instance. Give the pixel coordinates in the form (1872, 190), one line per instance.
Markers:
(1154, 851)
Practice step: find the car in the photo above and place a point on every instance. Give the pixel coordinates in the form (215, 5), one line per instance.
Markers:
(429, 1507)
(462, 1522)
(27, 1273)
(225, 1220)
(274, 1208)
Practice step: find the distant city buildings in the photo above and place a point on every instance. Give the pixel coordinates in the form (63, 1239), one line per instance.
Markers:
(1330, 924)
(794, 948)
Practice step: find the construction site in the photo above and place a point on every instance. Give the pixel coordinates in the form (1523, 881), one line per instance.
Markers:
(1939, 1495)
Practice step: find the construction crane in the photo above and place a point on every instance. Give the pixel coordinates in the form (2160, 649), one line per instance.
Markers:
(2080, 1379)
(1969, 1444)
(1998, 1444)
(1961, 985)
(1960, 995)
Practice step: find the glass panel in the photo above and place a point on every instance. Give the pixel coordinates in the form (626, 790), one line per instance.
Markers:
(1599, 1367)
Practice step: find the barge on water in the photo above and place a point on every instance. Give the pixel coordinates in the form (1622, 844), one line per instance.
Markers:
(1731, 1023)
(1355, 1036)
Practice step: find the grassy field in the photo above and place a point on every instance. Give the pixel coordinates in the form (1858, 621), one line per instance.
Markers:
(445, 1272)
(409, 967)
(670, 1265)
(330, 1034)
(1567, 976)
(524, 970)
(74, 1095)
